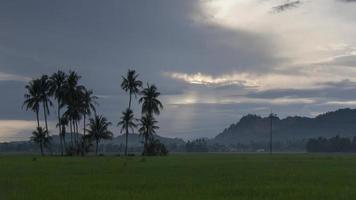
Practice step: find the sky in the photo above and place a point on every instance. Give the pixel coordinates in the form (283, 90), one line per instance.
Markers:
(213, 60)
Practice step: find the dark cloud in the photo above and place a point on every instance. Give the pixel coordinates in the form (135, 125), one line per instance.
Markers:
(114, 36)
(292, 4)
(286, 6)
(102, 40)
(12, 99)
(348, 60)
(342, 90)
(349, 1)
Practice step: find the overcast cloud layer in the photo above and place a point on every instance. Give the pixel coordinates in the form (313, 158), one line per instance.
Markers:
(214, 61)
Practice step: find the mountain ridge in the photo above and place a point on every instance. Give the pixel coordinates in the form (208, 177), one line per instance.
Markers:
(256, 128)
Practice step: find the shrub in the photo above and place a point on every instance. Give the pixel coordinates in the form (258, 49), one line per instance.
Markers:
(156, 148)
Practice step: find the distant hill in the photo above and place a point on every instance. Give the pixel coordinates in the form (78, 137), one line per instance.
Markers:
(255, 128)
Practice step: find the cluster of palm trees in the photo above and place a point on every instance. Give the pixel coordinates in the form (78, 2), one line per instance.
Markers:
(78, 103)
(150, 106)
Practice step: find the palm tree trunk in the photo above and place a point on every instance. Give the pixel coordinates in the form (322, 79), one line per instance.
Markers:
(38, 119)
(127, 140)
(78, 142)
(145, 146)
(64, 139)
(84, 125)
(61, 143)
(77, 127)
(83, 138)
(74, 132)
(41, 147)
(97, 145)
(130, 101)
(45, 116)
(59, 127)
(71, 132)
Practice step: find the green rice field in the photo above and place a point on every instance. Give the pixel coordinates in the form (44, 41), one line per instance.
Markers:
(196, 176)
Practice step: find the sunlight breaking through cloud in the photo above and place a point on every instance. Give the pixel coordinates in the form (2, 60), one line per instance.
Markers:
(242, 79)
(306, 78)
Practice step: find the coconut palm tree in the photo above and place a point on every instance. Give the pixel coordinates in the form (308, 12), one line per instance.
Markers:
(73, 113)
(72, 100)
(147, 129)
(33, 98)
(58, 81)
(126, 123)
(130, 84)
(40, 137)
(45, 97)
(150, 103)
(63, 122)
(88, 102)
(99, 130)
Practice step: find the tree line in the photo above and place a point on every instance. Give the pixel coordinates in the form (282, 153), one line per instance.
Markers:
(74, 103)
(333, 144)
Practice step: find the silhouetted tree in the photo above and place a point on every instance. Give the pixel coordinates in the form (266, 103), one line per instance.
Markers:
(88, 103)
(150, 103)
(334, 144)
(147, 129)
(198, 145)
(33, 98)
(99, 130)
(126, 123)
(45, 91)
(73, 93)
(76, 99)
(150, 106)
(58, 81)
(130, 84)
(63, 122)
(155, 147)
(40, 137)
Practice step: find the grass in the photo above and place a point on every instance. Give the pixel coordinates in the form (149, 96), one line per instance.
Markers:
(202, 176)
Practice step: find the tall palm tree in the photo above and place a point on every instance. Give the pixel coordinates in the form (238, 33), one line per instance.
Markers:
(73, 113)
(150, 103)
(71, 89)
(131, 84)
(40, 137)
(126, 123)
(58, 81)
(88, 102)
(45, 97)
(99, 130)
(63, 122)
(33, 98)
(72, 99)
(147, 129)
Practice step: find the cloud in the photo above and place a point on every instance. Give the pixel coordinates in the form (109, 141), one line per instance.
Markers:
(13, 77)
(242, 79)
(16, 130)
(348, 1)
(297, 77)
(286, 6)
(328, 92)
